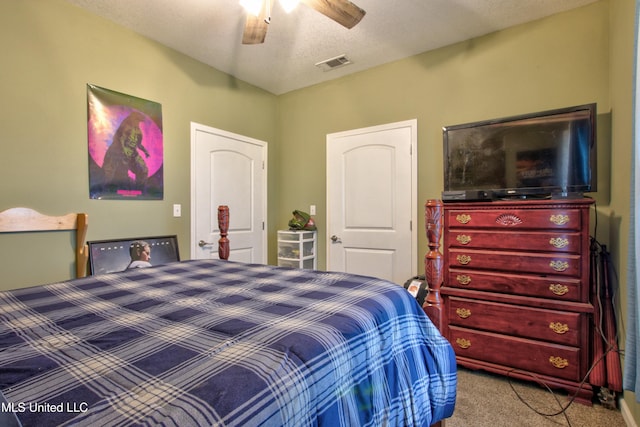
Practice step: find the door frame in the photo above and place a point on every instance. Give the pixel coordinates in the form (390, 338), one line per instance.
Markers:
(413, 125)
(195, 127)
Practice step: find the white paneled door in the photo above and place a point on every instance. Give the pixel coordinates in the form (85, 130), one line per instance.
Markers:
(228, 169)
(371, 201)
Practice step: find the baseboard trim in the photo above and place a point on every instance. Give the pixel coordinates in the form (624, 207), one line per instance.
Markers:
(626, 414)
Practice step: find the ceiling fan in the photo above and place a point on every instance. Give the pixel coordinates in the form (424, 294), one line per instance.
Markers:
(343, 12)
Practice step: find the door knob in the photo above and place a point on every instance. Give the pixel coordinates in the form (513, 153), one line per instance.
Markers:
(335, 239)
(202, 243)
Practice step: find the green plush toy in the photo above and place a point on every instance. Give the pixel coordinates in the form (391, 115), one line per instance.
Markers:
(301, 221)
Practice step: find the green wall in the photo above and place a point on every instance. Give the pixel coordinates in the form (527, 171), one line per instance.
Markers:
(582, 56)
(622, 25)
(52, 49)
(551, 63)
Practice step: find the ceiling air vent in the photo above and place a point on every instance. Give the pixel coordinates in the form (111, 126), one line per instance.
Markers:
(333, 63)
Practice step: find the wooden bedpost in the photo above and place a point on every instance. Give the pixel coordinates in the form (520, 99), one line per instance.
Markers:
(223, 225)
(26, 220)
(82, 249)
(433, 261)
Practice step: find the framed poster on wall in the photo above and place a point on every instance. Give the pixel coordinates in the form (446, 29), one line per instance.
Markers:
(125, 141)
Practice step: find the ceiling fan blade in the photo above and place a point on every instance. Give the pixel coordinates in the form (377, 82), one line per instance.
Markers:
(343, 12)
(255, 30)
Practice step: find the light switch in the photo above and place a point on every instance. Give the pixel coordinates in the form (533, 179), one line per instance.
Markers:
(177, 210)
(312, 210)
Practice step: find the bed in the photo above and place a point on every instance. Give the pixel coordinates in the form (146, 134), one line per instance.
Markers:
(222, 343)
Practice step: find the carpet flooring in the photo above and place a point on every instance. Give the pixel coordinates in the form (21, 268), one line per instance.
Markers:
(489, 400)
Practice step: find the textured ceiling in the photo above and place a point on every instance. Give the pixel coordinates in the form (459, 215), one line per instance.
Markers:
(211, 32)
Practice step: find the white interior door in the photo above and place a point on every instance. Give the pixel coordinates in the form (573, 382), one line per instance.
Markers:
(371, 201)
(228, 169)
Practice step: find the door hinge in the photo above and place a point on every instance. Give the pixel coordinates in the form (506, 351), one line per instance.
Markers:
(411, 225)
(262, 225)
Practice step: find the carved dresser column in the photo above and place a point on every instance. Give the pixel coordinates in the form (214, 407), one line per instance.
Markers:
(433, 262)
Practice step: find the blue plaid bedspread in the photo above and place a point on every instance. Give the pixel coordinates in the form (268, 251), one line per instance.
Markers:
(219, 343)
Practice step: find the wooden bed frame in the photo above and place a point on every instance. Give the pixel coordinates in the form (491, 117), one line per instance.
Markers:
(26, 220)
(16, 220)
(223, 225)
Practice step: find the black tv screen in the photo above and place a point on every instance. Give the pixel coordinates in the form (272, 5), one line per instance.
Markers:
(549, 153)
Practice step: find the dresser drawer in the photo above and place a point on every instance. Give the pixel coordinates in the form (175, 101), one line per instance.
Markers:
(541, 264)
(520, 353)
(557, 288)
(547, 325)
(514, 219)
(567, 242)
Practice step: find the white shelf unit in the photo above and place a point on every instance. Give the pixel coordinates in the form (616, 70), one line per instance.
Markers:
(297, 248)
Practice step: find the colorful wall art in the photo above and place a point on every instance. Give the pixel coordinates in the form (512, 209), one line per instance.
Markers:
(125, 146)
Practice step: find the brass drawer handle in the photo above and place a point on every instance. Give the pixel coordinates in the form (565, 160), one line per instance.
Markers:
(463, 313)
(463, 343)
(559, 328)
(463, 218)
(558, 362)
(559, 242)
(463, 239)
(559, 219)
(463, 279)
(558, 289)
(463, 259)
(559, 265)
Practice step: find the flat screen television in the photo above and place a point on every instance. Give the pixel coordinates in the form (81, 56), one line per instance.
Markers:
(545, 154)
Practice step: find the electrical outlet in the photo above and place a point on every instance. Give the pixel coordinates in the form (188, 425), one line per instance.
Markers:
(177, 210)
(312, 210)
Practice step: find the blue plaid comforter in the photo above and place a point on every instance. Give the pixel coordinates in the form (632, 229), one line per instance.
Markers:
(219, 343)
